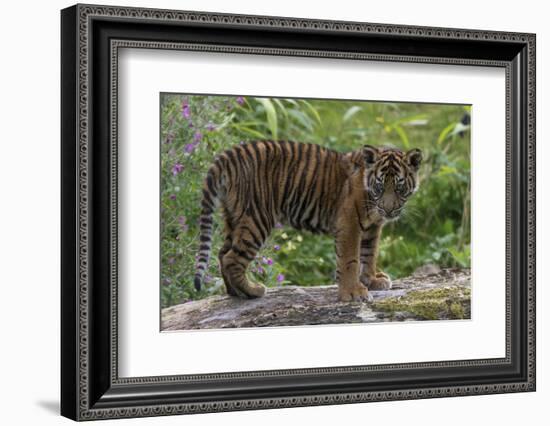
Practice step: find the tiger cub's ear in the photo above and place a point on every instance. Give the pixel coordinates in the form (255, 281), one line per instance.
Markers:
(414, 158)
(370, 153)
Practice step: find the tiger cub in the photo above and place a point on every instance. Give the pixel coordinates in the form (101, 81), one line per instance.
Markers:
(347, 195)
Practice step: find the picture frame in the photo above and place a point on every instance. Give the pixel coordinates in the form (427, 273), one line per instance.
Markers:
(90, 384)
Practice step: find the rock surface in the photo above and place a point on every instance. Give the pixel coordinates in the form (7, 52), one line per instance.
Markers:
(438, 294)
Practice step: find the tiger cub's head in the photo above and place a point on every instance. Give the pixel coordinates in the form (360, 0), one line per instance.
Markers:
(391, 177)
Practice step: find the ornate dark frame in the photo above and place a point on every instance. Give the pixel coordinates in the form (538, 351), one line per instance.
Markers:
(91, 37)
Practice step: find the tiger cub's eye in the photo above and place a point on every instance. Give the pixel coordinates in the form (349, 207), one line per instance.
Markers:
(378, 187)
(400, 186)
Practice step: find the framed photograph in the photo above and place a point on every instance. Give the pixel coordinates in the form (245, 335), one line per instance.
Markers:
(263, 212)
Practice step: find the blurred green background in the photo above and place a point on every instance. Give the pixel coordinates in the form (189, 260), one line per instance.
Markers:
(435, 229)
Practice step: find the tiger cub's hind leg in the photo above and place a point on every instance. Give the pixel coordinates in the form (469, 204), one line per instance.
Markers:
(223, 251)
(234, 262)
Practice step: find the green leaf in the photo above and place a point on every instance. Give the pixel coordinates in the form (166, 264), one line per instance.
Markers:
(460, 257)
(417, 122)
(445, 132)
(350, 113)
(459, 127)
(250, 131)
(448, 226)
(225, 122)
(253, 123)
(271, 115)
(446, 170)
(302, 118)
(411, 118)
(312, 110)
(282, 108)
(402, 135)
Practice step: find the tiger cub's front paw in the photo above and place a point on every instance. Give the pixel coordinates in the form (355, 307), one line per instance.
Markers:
(380, 281)
(356, 292)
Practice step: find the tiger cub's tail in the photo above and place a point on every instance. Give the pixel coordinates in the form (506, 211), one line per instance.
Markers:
(210, 201)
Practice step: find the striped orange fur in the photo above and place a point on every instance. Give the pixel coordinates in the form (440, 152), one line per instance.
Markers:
(347, 195)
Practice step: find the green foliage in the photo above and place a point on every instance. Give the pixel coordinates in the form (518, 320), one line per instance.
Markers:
(434, 229)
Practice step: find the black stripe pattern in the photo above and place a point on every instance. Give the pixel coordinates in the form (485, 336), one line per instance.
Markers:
(261, 183)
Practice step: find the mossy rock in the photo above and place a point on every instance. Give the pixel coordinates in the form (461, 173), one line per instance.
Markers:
(430, 304)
